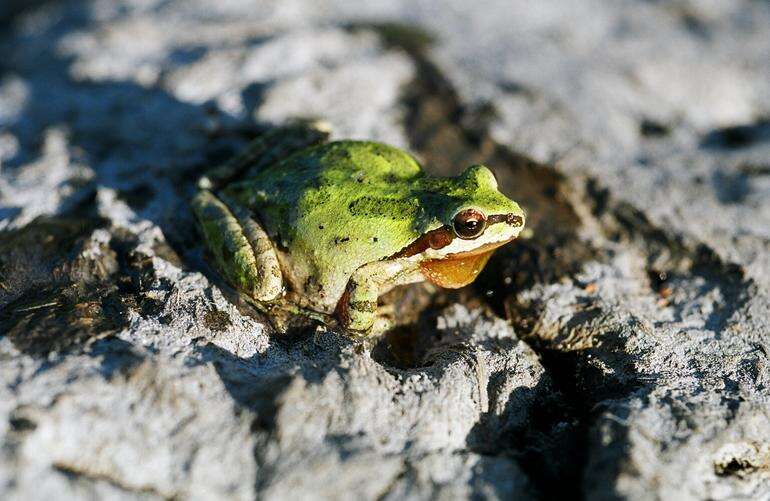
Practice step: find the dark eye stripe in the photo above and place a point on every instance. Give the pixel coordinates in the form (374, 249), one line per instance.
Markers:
(511, 219)
(436, 239)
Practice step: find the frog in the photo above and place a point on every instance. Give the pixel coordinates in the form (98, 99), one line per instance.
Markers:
(330, 226)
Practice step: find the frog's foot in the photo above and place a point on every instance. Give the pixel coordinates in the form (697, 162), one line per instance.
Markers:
(267, 149)
(283, 314)
(357, 309)
(242, 250)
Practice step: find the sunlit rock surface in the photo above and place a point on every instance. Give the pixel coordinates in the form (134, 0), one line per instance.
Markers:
(620, 352)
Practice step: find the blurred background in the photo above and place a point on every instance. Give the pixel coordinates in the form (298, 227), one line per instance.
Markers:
(621, 351)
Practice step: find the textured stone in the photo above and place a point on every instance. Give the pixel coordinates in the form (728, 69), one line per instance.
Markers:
(621, 351)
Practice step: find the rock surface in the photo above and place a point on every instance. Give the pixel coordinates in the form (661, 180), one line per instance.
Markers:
(623, 351)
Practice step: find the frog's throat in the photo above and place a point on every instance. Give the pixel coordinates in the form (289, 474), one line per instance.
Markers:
(458, 270)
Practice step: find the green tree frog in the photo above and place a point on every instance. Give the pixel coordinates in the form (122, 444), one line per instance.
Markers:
(340, 223)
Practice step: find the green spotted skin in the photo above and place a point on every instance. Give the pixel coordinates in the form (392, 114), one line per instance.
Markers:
(332, 208)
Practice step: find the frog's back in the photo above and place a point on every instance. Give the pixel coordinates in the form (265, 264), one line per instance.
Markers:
(334, 207)
(342, 162)
(338, 170)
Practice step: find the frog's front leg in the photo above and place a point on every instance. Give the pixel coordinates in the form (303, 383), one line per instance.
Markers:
(242, 250)
(357, 309)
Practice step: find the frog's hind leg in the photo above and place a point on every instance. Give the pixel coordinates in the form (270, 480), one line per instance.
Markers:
(267, 149)
(241, 249)
(357, 309)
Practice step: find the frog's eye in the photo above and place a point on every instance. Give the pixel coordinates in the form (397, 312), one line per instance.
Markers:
(469, 224)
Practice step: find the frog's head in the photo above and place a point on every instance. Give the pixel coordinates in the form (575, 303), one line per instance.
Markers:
(470, 219)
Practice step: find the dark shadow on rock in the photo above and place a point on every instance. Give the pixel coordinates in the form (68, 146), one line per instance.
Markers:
(10, 10)
(63, 292)
(53, 299)
(731, 187)
(141, 142)
(257, 382)
(413, 342)
(9, 212)
(546, 428)
(257, 392)
(731, 281)
(670, 257)
(253, 94)
(737, 136)
(118, 357)
(650, 128)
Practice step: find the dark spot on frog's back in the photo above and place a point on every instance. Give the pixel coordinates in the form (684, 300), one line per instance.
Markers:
(341, 240)
(389, 208)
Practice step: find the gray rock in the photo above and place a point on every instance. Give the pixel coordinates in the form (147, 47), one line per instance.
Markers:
(621, 351)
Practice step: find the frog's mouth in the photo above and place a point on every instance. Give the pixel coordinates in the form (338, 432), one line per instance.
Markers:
(458, 270)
